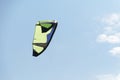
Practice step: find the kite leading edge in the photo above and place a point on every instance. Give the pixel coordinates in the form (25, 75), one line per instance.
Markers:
(43, 34)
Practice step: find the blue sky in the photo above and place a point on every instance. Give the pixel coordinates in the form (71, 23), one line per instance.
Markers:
(85, 45)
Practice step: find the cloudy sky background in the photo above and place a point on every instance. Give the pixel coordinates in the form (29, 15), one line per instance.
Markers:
(85, 46)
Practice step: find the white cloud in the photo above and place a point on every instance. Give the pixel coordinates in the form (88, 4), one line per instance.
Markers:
(112, 19)
(111, 32)
(108, 77)
(115, 38)
(115, 51)
(112, 23)
(102, 38)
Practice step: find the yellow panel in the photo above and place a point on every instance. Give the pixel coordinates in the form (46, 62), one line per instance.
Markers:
(39, 37)
(37, 48)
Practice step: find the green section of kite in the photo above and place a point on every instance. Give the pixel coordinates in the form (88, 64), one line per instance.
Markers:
(46, 25)
(43, 34)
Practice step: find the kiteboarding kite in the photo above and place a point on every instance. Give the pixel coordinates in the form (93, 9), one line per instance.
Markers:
(43, 34)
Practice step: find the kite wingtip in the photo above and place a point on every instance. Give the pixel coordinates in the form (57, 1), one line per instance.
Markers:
(35, 54)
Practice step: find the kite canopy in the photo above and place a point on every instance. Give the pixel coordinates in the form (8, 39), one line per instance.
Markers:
(43, 34)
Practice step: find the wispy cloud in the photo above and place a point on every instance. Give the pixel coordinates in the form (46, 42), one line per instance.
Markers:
(115, 51)
(111, 32)
(108, 77)
(113, 38)
(112, 19)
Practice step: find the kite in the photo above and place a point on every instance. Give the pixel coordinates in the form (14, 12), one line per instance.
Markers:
(43, 34)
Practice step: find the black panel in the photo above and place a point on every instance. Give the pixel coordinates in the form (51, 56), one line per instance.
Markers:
(35, 53)
(44, 29)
